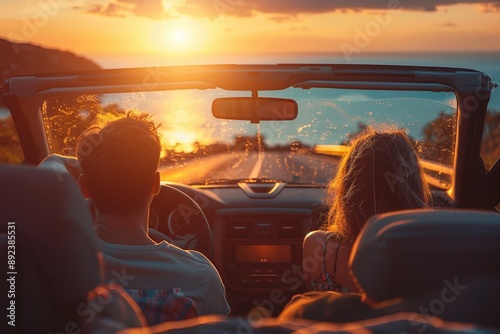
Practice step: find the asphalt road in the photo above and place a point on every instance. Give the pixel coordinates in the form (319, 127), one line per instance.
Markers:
(283, 166)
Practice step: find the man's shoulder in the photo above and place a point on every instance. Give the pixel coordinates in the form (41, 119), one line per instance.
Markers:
(184, 257)
(190, 254)
(163, 251)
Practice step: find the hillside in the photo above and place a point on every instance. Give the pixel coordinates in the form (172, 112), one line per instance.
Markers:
(24, 58)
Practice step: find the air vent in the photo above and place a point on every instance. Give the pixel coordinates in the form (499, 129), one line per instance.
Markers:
(264, 230)
(238, 230)
(290, 229)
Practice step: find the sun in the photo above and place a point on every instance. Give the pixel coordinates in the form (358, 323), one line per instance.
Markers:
(178, 36)
(179, 39)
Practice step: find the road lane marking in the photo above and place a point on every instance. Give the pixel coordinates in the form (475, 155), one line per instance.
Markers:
(255, 173)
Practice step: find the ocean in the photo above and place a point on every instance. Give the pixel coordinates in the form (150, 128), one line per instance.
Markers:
(486, 62)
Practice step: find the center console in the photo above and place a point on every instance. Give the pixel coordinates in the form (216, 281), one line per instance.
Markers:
(260, 250)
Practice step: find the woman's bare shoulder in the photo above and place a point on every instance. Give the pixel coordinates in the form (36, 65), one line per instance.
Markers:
(316, 237)
(320, 237)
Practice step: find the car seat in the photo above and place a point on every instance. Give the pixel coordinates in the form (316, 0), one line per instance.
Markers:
(426, 263)
(443, 262)
(47, 230)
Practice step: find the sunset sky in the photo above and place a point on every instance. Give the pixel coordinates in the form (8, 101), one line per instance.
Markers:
(195, 27)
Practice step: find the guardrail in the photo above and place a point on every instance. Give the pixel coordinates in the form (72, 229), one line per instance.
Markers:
(337, 150)
(436, 168)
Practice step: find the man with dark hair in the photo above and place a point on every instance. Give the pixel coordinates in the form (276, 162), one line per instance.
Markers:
(119, 162)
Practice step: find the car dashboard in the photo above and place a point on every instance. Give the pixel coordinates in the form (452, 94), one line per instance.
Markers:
(257, 232)
(257, 239)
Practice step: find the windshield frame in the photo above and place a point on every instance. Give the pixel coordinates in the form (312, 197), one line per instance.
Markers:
(24, 96)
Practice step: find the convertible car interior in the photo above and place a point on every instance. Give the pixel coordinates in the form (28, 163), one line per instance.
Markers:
(248, 151)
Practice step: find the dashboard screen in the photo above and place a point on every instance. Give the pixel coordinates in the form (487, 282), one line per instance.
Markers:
(263, 254)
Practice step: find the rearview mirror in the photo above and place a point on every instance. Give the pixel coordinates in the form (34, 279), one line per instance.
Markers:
(255, 109)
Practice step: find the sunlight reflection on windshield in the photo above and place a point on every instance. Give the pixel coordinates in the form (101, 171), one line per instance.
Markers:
(183, 128)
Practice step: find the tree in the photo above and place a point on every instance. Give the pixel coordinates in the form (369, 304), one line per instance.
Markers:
(439, 139)
(490, 148)
(11, 151)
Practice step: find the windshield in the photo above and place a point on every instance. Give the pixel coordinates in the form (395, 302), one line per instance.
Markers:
(199, 149)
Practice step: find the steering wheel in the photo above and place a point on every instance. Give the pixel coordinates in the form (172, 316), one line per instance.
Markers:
(177, 218)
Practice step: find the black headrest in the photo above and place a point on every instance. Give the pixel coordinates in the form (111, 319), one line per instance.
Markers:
(56, 255)
(407, 253)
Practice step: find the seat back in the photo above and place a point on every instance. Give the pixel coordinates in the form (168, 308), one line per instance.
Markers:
(442, 261)
(46, 228)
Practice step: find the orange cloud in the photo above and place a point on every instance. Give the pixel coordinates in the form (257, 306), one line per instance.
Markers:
(490, 7)
(157, 9)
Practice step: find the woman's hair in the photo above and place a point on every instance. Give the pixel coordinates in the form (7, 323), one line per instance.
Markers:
(380, 173)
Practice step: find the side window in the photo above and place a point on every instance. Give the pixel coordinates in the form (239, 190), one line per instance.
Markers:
(490, 147)
(10, 147)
